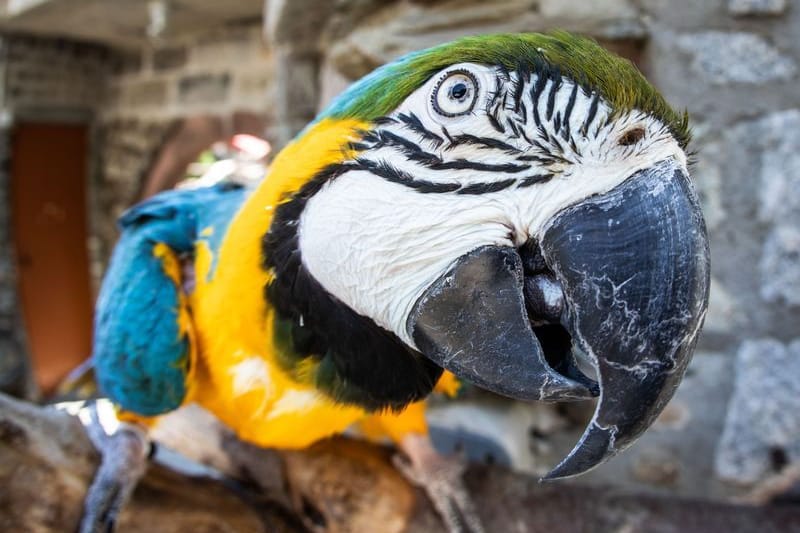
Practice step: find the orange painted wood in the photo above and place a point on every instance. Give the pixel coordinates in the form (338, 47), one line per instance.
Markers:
(48, 182)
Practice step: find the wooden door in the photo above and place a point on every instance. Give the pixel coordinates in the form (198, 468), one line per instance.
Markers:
(48, 191)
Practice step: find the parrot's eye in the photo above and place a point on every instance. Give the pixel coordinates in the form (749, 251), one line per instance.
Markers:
(455, 93)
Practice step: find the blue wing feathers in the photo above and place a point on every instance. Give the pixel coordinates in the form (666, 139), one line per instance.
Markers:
(141, 358)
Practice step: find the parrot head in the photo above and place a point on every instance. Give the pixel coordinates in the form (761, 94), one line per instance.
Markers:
(502, 207)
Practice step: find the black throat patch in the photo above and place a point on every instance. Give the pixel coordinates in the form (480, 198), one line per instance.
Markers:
(357, 361)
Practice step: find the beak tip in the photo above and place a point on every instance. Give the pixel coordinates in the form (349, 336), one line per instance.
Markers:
(564, 470)
(595, 447)
(550, 477)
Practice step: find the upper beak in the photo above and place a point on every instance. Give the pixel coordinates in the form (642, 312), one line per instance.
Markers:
(625, 277)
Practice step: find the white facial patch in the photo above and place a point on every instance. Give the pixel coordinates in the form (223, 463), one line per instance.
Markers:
(430, 186)
(377, 245)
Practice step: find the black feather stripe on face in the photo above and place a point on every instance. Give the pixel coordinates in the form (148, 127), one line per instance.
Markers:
(532, 114)
(357, 361)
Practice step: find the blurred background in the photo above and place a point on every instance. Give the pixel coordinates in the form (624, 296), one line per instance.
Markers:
(103, 103)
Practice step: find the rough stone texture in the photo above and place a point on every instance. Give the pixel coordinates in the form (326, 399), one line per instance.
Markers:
(142, 93)
(296, 91)
(780, 275)
(42, 79)
(170, 57)
(747, 176)
(15, 377)
(127, 148)
(777, 137)
(736, 57)
(762, 427)
(221, 70)
(757, 239)
(757, 7)
(55, 74)
(203, 88)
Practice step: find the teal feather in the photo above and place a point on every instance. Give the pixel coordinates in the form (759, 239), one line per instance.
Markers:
(140, 358)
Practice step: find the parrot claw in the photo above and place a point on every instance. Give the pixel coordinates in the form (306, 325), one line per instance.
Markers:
(125, 450)
(442, 479)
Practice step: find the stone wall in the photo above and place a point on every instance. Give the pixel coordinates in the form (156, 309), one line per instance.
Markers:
(41, 79)
(220, 73)
(134, 101)
(734, 65)
(54, 78)
(14, 367)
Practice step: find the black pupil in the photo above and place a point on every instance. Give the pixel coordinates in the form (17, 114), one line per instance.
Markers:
(459, 90)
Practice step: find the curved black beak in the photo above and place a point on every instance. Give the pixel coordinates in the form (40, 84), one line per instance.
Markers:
(472, 321)
(632, 268)
(633, 264)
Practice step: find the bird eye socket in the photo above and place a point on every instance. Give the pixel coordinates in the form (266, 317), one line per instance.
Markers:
(455, 93)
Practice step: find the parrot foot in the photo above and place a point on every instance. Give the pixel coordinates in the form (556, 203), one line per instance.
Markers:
(442, 479)
(125, 450)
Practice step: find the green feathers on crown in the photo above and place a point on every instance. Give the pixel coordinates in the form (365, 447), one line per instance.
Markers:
(581, 59)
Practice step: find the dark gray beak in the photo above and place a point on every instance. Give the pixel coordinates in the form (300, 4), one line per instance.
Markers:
(622, 277)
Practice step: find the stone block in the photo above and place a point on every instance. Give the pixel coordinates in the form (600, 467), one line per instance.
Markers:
(600, 9)
(204, 88)
(780, 266)
(735, 57)
(756, 7)
(252, 89)
(126, 63)
(226, 49)
(169, 58)
(143, 93)
(778, 137)
(762, 426)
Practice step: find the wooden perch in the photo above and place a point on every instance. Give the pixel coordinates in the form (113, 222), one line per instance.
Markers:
(47, 462)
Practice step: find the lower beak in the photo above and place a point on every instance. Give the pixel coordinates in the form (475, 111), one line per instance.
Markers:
(628, 282)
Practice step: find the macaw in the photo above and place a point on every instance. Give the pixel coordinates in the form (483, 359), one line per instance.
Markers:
(498, 207)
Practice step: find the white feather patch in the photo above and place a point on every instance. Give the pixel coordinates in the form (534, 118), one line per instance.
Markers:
(294, 401)
(251, 374)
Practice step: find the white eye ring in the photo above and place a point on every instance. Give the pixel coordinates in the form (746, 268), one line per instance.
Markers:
(455, 93)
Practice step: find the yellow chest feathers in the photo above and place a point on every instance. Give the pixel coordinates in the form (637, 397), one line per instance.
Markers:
(237, 375)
